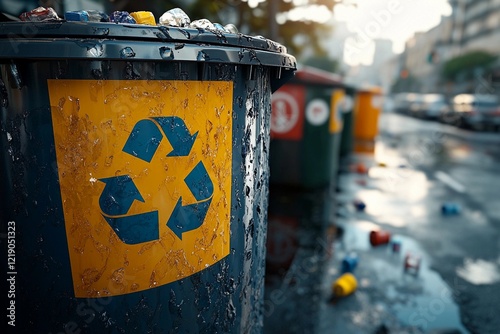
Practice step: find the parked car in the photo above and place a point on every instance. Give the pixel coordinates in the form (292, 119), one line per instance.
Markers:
(416, 104)
(476, 111)
(433, 106)
(403, 101)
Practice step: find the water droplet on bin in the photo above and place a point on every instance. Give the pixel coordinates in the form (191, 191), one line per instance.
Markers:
(202, 56)
(4, 97)
(127, 52)
(166, 53)
(175, 18)
(95, 51)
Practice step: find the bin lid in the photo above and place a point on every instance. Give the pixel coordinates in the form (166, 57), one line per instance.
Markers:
(109, 41)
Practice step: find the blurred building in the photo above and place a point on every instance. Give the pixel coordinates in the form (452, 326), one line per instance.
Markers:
(373, 74)
(474, 25)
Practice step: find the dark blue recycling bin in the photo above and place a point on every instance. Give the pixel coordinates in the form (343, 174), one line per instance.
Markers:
(134, 176)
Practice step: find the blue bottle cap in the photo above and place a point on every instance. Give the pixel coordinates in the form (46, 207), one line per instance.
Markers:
(80, 16)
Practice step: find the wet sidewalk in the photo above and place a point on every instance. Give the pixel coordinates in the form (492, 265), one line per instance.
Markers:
(388, 298)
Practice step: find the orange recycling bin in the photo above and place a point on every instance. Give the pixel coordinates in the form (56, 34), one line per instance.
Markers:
(367, 109)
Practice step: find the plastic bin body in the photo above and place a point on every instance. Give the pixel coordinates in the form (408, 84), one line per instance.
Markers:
(305, 131)
(367, 109)
(135, 171)
(347, 135)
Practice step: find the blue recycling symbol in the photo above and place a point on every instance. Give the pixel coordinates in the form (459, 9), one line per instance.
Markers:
(120, 191)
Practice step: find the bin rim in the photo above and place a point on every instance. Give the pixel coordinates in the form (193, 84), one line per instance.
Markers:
(52, 40)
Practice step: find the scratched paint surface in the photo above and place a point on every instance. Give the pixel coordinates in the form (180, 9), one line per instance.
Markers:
(145, 177)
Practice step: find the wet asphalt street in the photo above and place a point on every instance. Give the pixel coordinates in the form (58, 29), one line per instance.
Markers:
(418, 166)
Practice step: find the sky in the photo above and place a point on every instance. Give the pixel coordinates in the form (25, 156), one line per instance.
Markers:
(396, 20)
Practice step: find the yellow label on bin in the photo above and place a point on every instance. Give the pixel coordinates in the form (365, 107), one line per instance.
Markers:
(145, 176)
(337, 109)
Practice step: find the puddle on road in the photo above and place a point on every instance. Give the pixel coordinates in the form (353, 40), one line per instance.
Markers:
(423, 302)
(480, 272)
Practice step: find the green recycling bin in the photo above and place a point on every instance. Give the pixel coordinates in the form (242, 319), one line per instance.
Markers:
(306, 125)
(134, 176)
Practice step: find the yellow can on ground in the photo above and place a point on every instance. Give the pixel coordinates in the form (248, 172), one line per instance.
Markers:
(344, 285)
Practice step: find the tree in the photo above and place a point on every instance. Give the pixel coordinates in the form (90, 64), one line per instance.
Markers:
(463, 66)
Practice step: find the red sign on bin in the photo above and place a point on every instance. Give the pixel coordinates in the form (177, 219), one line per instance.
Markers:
(287, 118)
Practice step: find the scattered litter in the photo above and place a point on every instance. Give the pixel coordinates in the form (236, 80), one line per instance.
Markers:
(349, 263)
(359, 205)
(396, 246)
(379, 238)
(361, 182)
(449, 209)
(344, 285)
(412, 263)
(360, 168)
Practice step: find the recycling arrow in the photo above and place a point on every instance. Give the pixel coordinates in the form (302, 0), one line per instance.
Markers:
(118, 195)
(135, 229)
(187, 218)
(143, 140)
(115, 201)
(178, 135)
(190, 217)
(146, 137)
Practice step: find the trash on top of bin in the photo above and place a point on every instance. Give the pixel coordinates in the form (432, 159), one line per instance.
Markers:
(40, 14)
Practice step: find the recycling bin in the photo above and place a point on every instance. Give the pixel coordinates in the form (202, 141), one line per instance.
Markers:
(134, 176)
(306, 124)
(367, 109)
